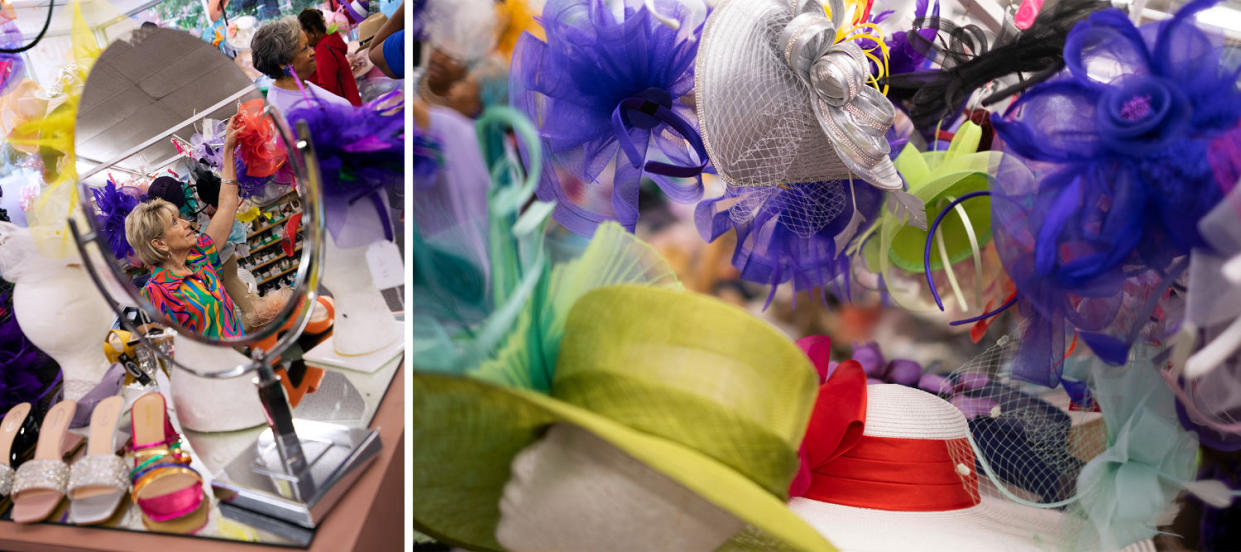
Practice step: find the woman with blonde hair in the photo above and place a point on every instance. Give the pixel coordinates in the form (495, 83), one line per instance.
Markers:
(185, 282)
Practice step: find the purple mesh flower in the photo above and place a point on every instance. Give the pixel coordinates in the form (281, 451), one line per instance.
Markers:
(1129, 145)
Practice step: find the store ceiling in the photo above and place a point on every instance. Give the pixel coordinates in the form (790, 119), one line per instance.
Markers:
(137, 92)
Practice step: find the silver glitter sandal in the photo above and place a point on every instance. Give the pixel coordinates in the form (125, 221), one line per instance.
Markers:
(99, 481)
(39, 485)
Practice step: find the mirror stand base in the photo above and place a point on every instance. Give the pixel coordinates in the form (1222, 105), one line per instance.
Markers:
(255, 485)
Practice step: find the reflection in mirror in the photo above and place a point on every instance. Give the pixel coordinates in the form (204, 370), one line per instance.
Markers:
(191, 183)
(196, 201)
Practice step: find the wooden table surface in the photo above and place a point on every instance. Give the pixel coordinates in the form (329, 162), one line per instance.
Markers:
(370, 517)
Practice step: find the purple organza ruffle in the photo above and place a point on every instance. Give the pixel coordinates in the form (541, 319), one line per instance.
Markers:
(572, 88)
(1126, 171)
(788, 233)
(361, 153)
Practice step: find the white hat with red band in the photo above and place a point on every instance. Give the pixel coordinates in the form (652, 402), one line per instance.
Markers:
(891, 468)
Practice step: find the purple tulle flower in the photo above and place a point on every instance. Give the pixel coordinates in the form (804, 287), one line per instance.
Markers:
(789, 232)
(1123, 143)
(210, 151)
(361, 154)
(114, 205)
(601, 90)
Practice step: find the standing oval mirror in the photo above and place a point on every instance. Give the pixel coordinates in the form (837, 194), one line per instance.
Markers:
(210, 251)
(205, 204)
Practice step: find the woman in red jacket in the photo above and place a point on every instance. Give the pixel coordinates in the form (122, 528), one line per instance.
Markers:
(332, 71)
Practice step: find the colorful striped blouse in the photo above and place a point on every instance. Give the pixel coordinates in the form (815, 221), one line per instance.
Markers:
(198, 301)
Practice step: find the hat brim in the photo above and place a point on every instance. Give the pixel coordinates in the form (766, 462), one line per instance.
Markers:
(467, 432)
(993, 524)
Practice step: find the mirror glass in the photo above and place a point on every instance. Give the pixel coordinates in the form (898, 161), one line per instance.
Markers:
(151, 130)
(210, 258)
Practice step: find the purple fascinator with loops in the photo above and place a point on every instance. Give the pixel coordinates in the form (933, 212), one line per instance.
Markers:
(1133, 145)
(606, 92)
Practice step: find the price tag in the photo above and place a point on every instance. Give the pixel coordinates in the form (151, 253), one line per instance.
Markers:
(387, 268)
(209, 130)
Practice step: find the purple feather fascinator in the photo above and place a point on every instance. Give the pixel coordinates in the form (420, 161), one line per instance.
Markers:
(114, 204)
(606, 91)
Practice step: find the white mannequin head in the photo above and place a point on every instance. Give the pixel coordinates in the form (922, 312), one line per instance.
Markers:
(63, 315)
(210, 404)
(571, 490)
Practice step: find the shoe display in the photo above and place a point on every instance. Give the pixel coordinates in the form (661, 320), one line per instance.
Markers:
(19, 432)
(98, 481)
(167, 490)
(39, 484)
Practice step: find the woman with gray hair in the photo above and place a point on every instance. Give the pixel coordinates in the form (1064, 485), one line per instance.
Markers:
(282, 51)
(185, 281)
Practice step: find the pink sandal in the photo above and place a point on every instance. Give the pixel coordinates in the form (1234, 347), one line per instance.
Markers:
(165, 488)
(39, 485)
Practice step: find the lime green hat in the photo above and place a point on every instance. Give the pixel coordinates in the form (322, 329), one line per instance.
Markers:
(697, 389)
(936, 178)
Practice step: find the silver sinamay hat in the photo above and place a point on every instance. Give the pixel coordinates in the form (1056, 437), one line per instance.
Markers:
(779, 102)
